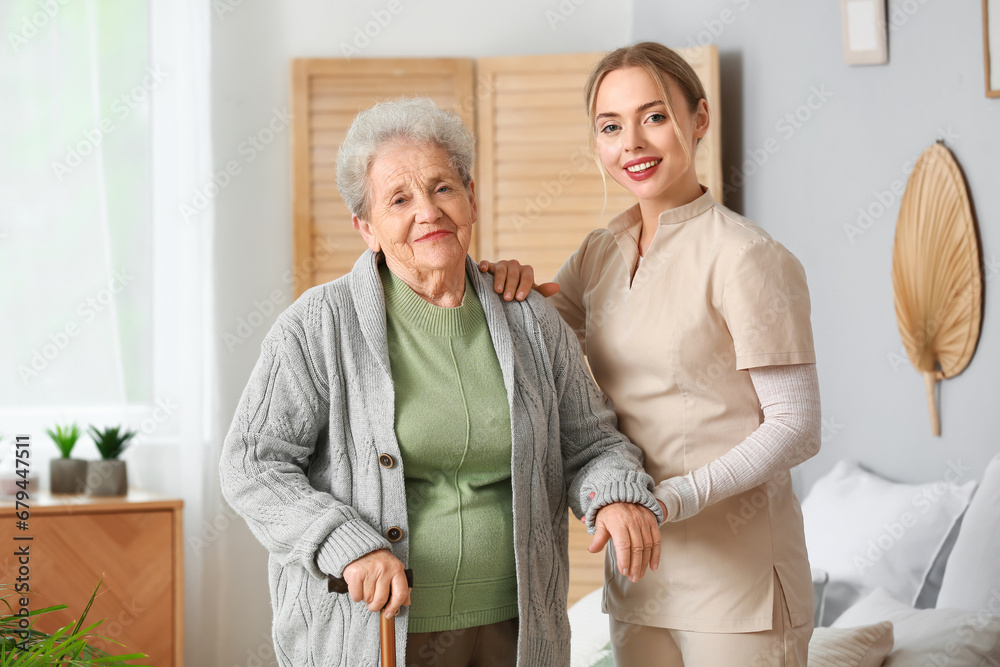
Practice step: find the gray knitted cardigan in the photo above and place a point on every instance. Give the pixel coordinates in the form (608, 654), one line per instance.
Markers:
(301, 464)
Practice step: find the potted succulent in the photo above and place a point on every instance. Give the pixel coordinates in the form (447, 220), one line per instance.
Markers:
(67, 475)
(108, 477)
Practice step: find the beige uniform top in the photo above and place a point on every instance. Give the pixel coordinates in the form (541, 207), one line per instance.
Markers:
(713, 296)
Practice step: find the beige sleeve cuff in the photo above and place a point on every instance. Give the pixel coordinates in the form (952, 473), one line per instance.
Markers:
(790, 434)
(747, 361)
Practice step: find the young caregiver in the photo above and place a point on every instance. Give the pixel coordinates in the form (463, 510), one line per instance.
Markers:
(696, 325)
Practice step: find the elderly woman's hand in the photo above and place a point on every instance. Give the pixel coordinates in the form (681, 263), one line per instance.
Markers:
(375, 576)
(634, 530)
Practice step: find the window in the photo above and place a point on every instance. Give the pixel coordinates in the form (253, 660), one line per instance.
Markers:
(75, 207)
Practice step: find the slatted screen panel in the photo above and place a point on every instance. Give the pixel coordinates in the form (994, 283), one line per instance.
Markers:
(326, 95)
(708, 158)
(540, 190)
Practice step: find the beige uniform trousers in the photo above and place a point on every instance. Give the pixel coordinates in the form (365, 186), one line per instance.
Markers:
(648, 646)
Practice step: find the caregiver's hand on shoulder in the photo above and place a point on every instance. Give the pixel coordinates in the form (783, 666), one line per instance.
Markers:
(514, 279)
(636, 535)
(375, 576)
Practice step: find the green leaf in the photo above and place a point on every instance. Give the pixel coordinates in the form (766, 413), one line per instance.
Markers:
(65, 438)
(86, 609)
(111, 442)
(66, 647)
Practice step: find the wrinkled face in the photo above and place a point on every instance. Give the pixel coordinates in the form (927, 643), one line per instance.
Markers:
(420, 214)
(635, 139)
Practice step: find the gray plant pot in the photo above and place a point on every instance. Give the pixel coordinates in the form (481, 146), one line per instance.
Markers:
(68, 475)
(107, 478)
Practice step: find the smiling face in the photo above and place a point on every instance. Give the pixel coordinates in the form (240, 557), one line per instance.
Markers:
(637, 142)
(421, 215)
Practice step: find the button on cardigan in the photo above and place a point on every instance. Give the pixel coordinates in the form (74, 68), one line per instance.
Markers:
(301, 464)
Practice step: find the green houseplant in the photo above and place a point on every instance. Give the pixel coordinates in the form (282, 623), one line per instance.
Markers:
(66, 475)
(109, 476)
(22, 645)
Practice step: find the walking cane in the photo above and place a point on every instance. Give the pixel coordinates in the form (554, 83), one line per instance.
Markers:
(387, 626)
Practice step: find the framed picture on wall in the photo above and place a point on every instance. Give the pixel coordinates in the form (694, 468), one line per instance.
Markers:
(866, 40)
(991, 46)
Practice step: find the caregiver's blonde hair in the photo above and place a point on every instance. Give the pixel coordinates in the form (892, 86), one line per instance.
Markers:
(660, 63)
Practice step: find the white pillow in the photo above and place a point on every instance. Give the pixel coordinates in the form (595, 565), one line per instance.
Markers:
(867, 531)
(972, 574)
(929, 637)
(866, 646)
(590, 633)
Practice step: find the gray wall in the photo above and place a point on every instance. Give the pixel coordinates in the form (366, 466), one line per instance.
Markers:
(867, 127)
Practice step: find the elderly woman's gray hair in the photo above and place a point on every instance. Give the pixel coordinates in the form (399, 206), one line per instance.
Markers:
(416, 119)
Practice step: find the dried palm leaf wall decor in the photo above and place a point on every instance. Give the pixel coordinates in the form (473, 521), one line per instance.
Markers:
(936, 277)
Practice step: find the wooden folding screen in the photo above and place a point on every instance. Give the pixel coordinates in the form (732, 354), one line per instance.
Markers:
(326, 95)
(708, 158)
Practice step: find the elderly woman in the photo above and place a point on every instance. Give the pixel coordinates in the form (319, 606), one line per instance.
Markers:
(406, 414)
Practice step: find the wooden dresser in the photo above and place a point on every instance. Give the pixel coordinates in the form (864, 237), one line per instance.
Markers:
(135, 542)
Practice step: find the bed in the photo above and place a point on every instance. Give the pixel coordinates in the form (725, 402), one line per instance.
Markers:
(905, 575)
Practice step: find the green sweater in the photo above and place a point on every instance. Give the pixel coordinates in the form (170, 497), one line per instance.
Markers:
(452, 421)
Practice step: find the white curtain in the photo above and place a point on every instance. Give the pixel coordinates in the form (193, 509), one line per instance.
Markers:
(105, 278)
(74, 201)
(182, 246)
